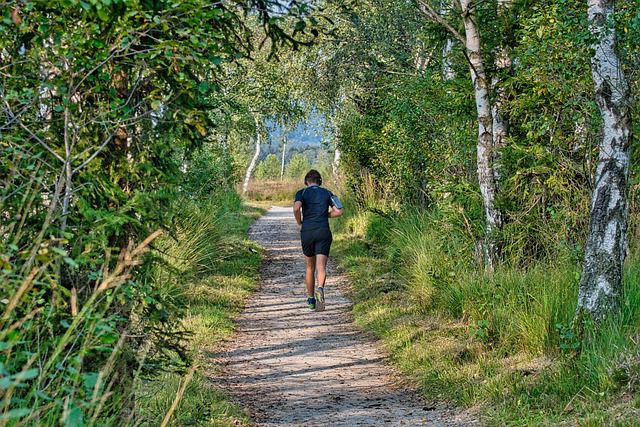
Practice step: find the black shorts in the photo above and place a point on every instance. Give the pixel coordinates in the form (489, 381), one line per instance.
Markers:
(316, 241)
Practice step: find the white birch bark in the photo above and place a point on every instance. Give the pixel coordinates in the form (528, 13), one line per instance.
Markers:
(284, 152)
(486, 176)
(485, 169)
(600, 288)
(335, 165)
(254, 159)
(448, 73)
(228, 167)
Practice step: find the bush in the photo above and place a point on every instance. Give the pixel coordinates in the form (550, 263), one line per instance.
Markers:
(297, 167)
(93, 303)
(268, 168)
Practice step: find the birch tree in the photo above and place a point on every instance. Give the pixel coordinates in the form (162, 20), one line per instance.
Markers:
(448, 73)
(471, 42)
(284, 152)
(502, 62)
(335, 164)
(600, 288)
(256, 154)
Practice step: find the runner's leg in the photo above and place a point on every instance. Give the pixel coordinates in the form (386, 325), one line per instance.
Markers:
(310, 275)
(321, 269)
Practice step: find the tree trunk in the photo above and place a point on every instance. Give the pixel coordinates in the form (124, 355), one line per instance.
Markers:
(486, 176)
(68, 182)
(500, 122)
(500, 130)
(448, 73)
(335, 165)
(600, 289)
(284, 152)
(254, 160)
(226, 159)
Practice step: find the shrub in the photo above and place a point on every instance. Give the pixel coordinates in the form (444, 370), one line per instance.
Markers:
(268, 168)
(297, 167)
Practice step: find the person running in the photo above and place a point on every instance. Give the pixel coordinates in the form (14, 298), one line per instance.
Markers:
(311, 209)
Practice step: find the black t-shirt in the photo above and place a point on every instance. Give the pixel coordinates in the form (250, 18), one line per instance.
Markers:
(315, 207)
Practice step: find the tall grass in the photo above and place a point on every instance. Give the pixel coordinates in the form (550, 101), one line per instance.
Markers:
(217, 267)
(117, 352)
(73, 377)
(502, 342)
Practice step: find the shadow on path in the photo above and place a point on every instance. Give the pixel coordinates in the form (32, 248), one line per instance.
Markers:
(291, 366)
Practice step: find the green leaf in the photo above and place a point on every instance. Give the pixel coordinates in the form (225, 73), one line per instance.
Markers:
(90, 379)
(103, 15)
(203, 87)
(29, 374)
(12, 414)
(109, 338)
(75, 417)
(70, 261)
(58, 250)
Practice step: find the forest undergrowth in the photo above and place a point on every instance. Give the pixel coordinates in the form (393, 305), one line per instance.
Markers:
(212, 240)
(502, 344)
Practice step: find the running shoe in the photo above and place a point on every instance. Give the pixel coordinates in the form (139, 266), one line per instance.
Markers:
(320, 299)
(311, 302)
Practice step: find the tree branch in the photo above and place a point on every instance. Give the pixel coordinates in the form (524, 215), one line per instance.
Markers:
(95, 153)
(41, 142)
(433, 16)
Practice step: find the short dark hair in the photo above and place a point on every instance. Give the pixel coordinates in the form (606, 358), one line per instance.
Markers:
(313, 177)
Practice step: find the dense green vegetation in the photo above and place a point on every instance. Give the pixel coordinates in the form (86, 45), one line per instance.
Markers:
(125, 127)
(501, 337)
(213, 236)
(502, 343)
(486, 149)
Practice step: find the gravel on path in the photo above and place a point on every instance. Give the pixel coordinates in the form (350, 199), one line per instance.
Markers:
(290, 366)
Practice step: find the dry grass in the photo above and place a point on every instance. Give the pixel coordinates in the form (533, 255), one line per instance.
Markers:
(273, 191)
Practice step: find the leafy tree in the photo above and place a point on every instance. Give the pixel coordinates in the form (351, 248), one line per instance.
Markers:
(268, 168)
(297, 167)
(108, 113)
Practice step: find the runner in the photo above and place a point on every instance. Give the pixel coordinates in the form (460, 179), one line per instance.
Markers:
(311, 209)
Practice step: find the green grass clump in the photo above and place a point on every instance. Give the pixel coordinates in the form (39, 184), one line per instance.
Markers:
(219, 266)
(502, 343)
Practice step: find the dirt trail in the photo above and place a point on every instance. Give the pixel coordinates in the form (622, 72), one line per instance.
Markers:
(291, 366)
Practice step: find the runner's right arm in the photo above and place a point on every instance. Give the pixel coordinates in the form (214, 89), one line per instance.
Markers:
(297, 212)
(297, 207)
(336, 206)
